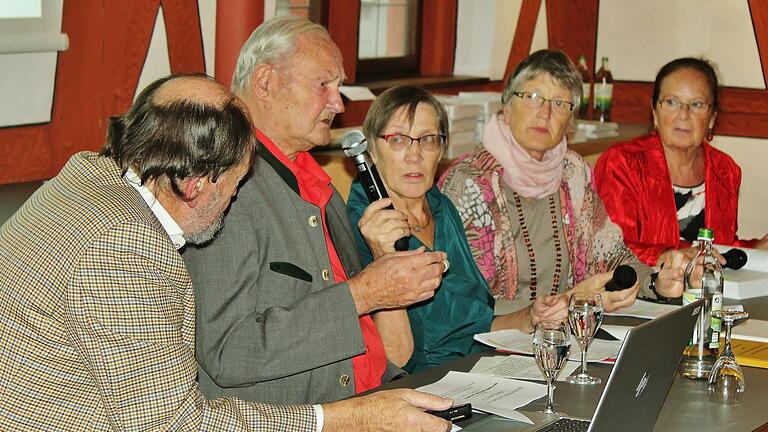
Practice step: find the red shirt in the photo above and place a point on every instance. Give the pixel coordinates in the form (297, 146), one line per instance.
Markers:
(315, 188)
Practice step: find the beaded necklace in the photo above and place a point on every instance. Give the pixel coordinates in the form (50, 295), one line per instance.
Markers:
(529, 244)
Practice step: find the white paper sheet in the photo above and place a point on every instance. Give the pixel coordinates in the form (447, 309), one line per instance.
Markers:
(617, 331)
(751, 280)
(644, 309)
(744, 283)
(518, 342)
(752, 330)
(518, 367)
(493, 395)
(756, 259)
(355, 93)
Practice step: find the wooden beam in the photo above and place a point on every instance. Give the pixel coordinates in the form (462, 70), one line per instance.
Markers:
(343, 25)
(235, 21)
(521, 44)
(438, 37)
(185, 38)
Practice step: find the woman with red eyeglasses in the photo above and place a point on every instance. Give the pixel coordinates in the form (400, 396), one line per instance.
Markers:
(406, 130)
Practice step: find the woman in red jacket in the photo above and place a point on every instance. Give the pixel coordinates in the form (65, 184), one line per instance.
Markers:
(662, 187)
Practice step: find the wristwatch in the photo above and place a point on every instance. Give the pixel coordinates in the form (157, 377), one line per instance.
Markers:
(652, 286)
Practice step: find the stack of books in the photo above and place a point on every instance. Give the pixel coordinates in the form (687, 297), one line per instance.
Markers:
(750, 280)
(588, 129)
(462, 124)
(491, 104)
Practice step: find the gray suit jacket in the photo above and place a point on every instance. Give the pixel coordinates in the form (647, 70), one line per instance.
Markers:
(270, 325)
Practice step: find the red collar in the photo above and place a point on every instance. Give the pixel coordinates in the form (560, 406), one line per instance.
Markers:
(304, 167)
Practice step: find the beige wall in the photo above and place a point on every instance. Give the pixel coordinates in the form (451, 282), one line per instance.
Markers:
(751, 155)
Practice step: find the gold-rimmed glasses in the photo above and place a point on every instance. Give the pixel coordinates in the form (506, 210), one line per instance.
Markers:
(535, 101)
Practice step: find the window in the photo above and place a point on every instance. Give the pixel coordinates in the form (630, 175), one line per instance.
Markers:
(30, 38)
(20, 9)
(389, 38)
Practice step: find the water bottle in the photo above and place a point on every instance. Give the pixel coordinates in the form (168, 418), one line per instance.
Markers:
(700, 354)
(586, 78)
(603, 92)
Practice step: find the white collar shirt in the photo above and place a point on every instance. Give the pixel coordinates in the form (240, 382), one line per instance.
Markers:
(172, 228)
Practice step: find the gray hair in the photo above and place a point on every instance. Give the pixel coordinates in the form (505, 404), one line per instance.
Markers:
(552, 62)
(271, 42)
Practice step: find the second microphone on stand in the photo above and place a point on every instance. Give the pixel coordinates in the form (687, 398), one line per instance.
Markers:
(356, 147)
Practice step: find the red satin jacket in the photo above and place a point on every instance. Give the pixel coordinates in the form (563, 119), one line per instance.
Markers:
(633, 181)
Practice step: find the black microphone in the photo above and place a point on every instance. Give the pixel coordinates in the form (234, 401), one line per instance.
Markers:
(355, 146)
(623, 277)
(735, 259)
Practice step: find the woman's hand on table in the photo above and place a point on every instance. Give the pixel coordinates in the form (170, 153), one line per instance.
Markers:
(553, 308)
(665, 258)
(669, 256)
(382, 227)
(548, 308)
(670, 282)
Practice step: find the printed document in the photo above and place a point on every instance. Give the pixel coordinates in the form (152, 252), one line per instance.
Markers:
(518, 367)
(644, 309)
(518, 342)
(492, 395)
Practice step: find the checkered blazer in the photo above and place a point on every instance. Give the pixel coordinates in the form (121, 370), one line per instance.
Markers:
(97, 318)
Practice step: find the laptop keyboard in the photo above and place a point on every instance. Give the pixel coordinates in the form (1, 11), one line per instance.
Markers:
(566, 425)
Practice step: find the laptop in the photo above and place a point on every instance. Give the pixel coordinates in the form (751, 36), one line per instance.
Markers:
(637, 387)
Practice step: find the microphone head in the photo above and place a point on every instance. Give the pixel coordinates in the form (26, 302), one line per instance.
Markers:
(354, 143)
(624, 276)
(735, 259)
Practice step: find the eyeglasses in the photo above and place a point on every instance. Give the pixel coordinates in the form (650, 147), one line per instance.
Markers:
(430, 143)
(535, 100)
(674, 105)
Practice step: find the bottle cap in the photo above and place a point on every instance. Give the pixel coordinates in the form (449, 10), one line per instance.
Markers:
(706, 234)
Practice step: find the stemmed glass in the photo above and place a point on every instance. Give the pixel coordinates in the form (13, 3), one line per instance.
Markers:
(726, 380)
(551, 345)
(585, 314)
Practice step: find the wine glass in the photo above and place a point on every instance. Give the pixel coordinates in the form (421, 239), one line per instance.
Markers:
(726, 380)
(585, 314)
(551, 345)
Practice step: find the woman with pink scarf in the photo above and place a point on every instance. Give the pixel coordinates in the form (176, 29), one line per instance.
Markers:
(535, 224)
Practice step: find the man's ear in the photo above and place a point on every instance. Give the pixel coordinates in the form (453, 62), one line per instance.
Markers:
(192, 188)
(261, 78)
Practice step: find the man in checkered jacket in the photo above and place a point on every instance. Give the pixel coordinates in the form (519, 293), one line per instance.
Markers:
(97, 322)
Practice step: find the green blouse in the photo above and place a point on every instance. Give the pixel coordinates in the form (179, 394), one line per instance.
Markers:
(444, 326)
